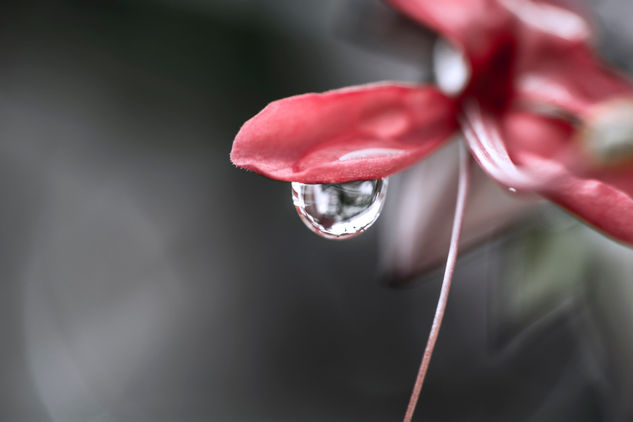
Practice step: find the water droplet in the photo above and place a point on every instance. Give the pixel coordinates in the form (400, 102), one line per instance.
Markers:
(339, 211)
(512, 189)
(450, 67)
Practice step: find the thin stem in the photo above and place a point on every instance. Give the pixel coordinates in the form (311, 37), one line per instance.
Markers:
(462, 193)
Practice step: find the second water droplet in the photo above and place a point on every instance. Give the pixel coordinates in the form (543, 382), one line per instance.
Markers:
(339, 211)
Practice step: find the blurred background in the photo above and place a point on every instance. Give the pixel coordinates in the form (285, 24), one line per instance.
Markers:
(144, 278)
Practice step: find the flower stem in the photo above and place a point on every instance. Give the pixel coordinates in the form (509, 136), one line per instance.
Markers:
(462, 193)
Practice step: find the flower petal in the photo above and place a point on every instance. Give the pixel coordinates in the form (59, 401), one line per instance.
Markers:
(554, 21)
(545, 79)
(479, 25)
(358, 133)
(484, 135)
(498, 35)
(504, 146)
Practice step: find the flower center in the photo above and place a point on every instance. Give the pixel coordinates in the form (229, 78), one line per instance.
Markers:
(607, 135)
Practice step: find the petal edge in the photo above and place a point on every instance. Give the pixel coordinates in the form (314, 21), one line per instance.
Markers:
(357, 133)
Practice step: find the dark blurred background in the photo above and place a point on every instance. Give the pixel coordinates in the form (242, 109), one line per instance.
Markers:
(144, 278)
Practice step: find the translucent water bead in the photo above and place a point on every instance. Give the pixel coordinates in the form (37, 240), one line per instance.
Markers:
(339, 211)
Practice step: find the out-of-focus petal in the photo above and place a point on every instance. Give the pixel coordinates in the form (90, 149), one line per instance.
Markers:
(553, 22)
(482, 27)
(416, 228)
(484, 136)
(601, 197)
(573, 80)
(357, 133)
(556, 65)
(500, 36)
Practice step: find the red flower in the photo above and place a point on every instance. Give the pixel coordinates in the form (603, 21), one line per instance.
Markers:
(539, 111)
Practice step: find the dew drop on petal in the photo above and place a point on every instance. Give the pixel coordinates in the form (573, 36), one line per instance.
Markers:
(450, 67)
(339, 211)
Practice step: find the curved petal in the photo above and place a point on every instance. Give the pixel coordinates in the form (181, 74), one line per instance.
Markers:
(484, 136)
(556, 22)
(573, 80)
(357, 133)
(556, 66)
(459, 19)
(500, 36)
(505, 148)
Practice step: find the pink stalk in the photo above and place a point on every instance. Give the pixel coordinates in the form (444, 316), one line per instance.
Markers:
(462, 193)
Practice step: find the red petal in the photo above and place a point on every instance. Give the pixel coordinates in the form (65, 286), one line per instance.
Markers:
(499, 36)
(357, 133)
(486, 141)
(556, 65)
(562, 22)
(603, 198)
(461, 20)
(572, 79)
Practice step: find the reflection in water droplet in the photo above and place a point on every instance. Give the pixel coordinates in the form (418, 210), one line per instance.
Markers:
(339, 211)
(513, 190)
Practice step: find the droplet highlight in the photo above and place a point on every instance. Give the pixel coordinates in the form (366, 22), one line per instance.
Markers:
(339, 211)
(450, 67)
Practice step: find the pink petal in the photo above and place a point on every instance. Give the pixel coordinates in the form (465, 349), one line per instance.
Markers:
(478, 25)
(504, 146)
(484, 134)
(555, 64)
(499, 36)
(358, 133)
(573, 80)
(561, 22)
